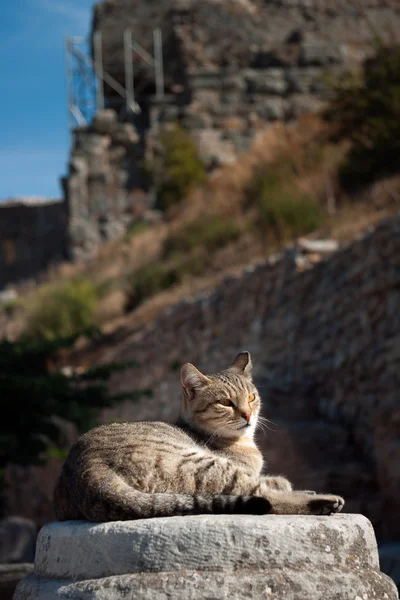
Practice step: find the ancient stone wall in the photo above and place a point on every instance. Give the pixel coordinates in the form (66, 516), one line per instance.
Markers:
(102, 188)
(228, 108)
(32, 237)
(247, 64)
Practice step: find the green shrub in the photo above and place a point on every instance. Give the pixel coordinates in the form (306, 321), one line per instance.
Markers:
(148, 281)
(191, 266)
(212, 232)
(365, 110)
(185, 254)
(136, 228)
(61, 310)
(33, 393)
(281, 206)
(290, 215)
(176, 169)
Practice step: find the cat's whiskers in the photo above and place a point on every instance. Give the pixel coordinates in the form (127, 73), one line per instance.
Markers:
(264, 422)
(262, 427)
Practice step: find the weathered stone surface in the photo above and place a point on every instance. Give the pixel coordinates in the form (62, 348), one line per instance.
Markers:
(209, 557)
(267, 81)
(213, 34)
(194, 585)
(274, 109)
(213, 147)
(321, 53)
(195, 120)
(102, 172)
(105, 121)
(302, 104)
(125, 135)
(301, 80)
(204, 542)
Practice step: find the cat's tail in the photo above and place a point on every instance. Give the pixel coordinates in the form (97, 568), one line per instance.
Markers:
(115, 500)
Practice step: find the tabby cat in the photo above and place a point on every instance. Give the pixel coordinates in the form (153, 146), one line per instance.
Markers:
(206, 463)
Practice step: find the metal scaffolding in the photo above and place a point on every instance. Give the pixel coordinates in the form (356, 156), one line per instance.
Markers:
(86, 76)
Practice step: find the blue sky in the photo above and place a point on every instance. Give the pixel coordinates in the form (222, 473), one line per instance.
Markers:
(34, 135)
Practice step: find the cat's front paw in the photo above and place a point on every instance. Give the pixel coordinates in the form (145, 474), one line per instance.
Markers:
(322, 504)
(278, 483)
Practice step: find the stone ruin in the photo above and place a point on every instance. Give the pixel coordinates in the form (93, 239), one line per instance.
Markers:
(209, 556)
(232, 67)
(99, 189)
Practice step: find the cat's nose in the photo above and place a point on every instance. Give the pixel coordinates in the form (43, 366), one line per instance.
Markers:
(246, 416)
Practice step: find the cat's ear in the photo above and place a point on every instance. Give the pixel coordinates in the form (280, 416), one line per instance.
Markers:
(192, 379)
(242, 364)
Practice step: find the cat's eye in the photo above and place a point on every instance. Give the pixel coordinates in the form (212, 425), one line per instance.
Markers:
(227, 402)
(252, 398)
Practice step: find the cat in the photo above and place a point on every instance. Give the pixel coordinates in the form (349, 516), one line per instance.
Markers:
(207, 462)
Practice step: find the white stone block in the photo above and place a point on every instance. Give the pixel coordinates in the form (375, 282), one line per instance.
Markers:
(207, 556)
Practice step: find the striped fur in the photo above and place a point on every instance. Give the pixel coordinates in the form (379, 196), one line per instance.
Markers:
(206, 463)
